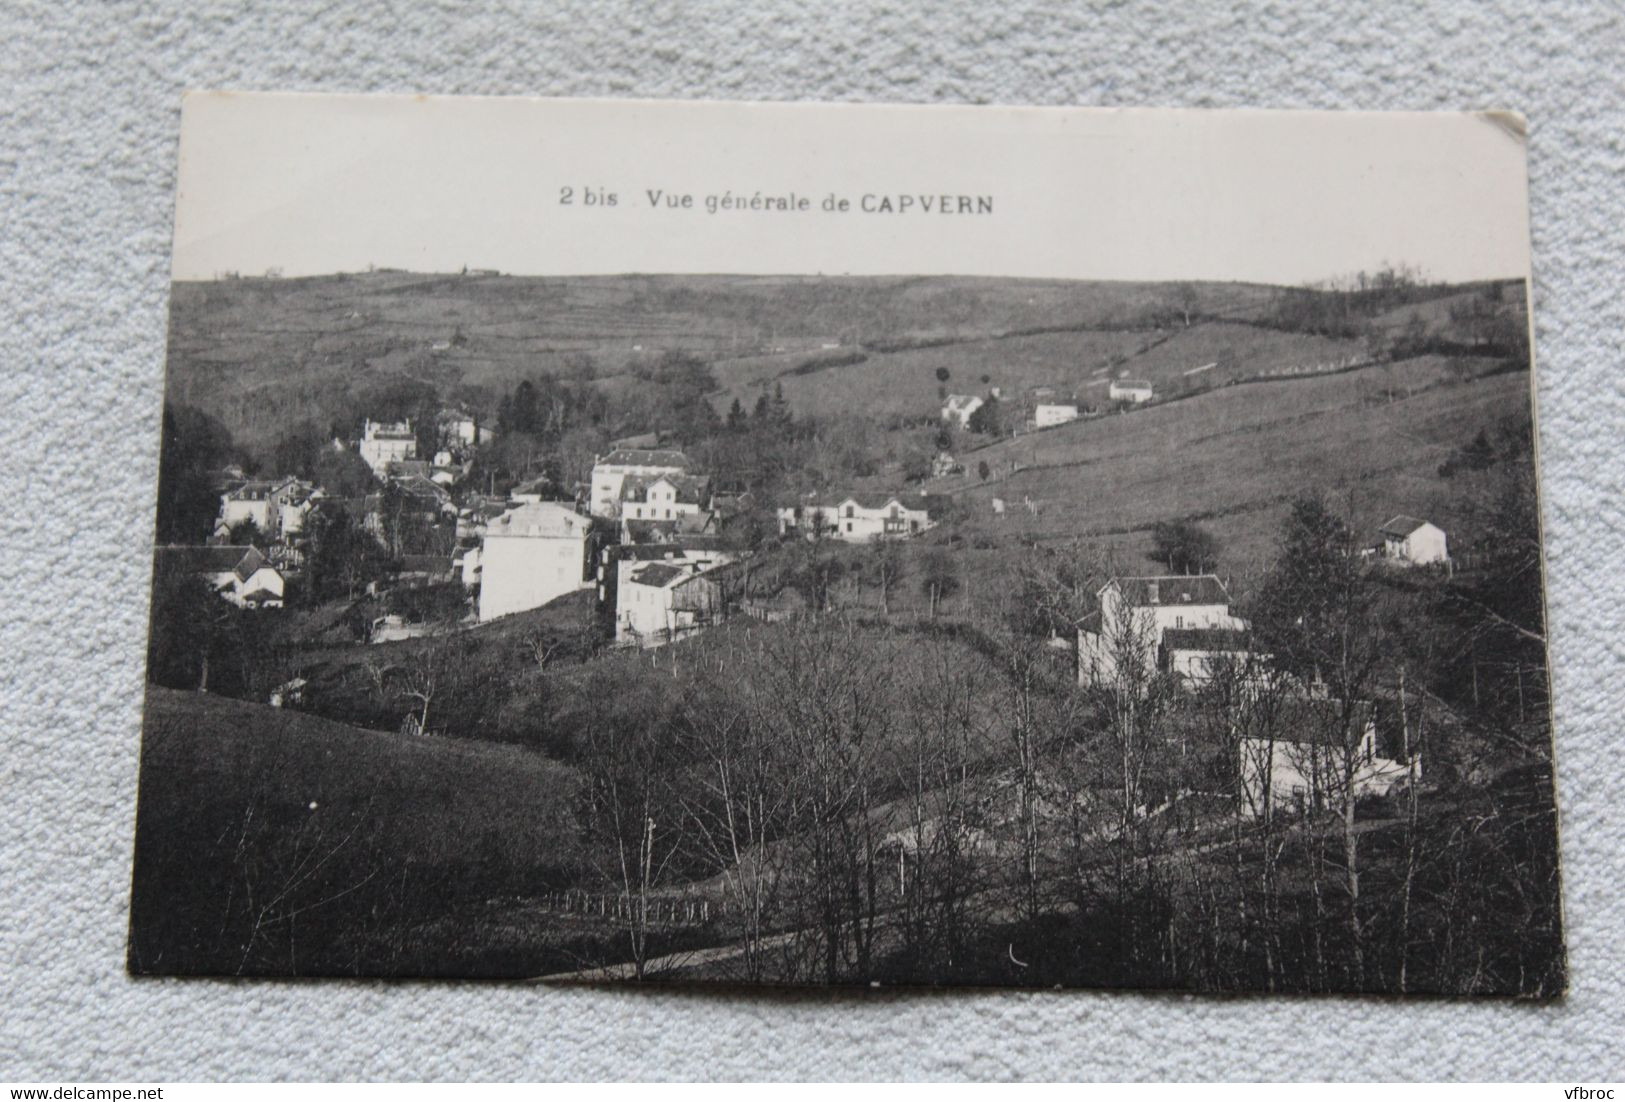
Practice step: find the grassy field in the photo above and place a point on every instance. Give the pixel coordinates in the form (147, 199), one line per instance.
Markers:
(1234, 457)
(269, 841)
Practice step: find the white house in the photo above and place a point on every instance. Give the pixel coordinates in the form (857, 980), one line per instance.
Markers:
(250, 501)
(1414, 542)
(959, 407)
(240, 574)
(856, 518)
(1047, 414)
(612, 470)
(530, 555)
(383, 443)
(1130, 390)
(461, 428)
(662, 497)
(657, 602)
(1316, 752)
(1133, 616)
(1198, 655)
(277, 507)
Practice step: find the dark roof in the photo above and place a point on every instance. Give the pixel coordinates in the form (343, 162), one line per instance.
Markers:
(425, 564)
(1207, 639)
(251, 561)
(674, 544)
(1401, 526)
(690, 488)
(1174, 589)
(658, 574)
(202, 558)
(646, 457)
(679, 529)
(256, 490)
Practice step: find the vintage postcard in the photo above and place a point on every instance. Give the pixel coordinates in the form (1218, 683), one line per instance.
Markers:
(814, 544)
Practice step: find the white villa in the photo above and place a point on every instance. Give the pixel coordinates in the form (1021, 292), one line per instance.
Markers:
(856, 518)
(383, 443)
(277, 507)
(530, 555)
(1047, 414)
(1414, 542)
(1134, 614)
(662, 497)
(612, 470)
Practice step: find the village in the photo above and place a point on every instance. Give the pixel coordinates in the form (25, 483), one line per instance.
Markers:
(906, 645)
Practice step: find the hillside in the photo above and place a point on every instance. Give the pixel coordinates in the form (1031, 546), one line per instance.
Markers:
(261, 354)
(273, 841)
(1236, 455)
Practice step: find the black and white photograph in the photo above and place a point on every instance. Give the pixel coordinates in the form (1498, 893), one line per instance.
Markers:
(794, 544)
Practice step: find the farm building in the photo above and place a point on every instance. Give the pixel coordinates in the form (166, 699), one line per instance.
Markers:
(1414, 542)
(1130, 390)
(531, 554)
(1054, 413)
(613, 469)
(856, 518)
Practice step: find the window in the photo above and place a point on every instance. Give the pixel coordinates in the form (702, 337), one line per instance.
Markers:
(849, 526)
(849, 513)
(1179, 621)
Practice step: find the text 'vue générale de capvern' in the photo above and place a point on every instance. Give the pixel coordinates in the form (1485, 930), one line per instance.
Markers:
(726, 201)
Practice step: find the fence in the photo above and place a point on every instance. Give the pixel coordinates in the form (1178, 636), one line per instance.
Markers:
(655, 910)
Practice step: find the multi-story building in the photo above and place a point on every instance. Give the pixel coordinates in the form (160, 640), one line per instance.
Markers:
(612, 470)
(383, 443)
(531, 555)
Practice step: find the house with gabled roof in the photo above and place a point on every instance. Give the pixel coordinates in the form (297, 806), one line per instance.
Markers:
(1314, 752)
(1413, 542)
(662, 497)
(660, 601)
(239, 573)
(1123, 636)
(611, 470)
(856, 517)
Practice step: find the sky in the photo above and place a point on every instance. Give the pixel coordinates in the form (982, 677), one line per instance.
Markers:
(314, 184)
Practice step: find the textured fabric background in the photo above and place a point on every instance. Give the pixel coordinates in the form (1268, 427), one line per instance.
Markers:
(90, 117)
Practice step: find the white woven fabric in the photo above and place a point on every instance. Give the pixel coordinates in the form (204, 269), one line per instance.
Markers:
(87, 170)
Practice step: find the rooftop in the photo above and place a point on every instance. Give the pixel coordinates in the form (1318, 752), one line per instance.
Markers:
(1173, 589)
(645, 457)
(1401, 526)
(1207, 639)
(539, 519)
